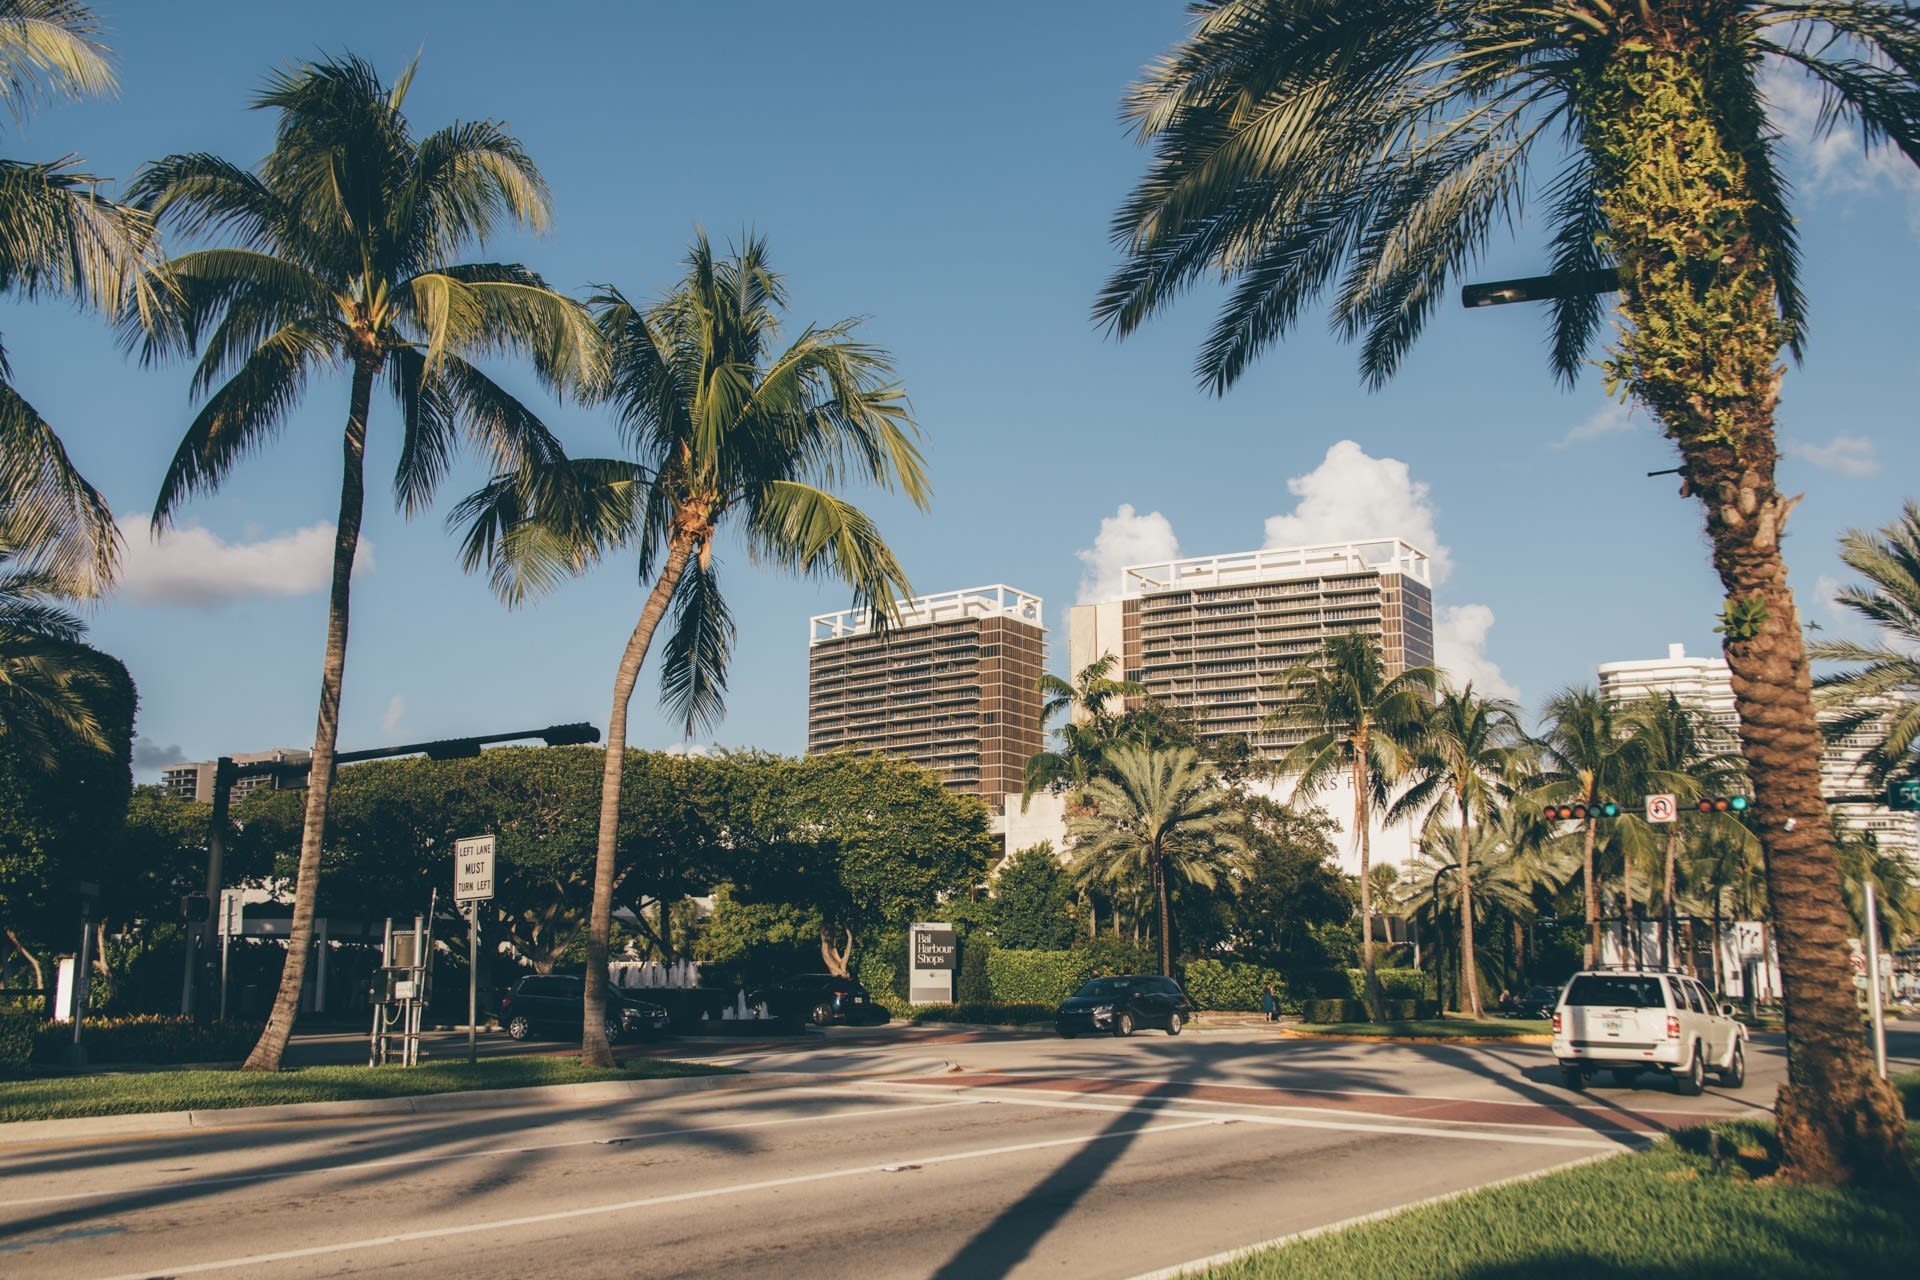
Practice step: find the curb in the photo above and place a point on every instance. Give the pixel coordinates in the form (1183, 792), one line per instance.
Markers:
(1292, 1034)
(22, 1131)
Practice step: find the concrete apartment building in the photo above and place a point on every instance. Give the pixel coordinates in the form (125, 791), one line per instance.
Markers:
(954, 686)
(195, 781)
(1212, 635)
(1707, 685)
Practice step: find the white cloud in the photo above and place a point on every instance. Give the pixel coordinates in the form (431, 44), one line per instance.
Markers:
(395, 713)
(1614, 419)
(1849, 455)
(698, 750)
(193, 566)
(1836, 162)
(1125, 538)
(1351, 495)
(1460, 650)
(150, 756)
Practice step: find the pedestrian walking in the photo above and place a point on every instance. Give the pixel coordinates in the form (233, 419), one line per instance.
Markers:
(1269, 1003)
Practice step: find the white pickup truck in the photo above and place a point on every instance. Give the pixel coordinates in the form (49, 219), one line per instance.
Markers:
(1634, 1020)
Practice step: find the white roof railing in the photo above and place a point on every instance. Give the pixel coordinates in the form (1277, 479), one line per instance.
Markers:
(1382, 555)
(998, 600)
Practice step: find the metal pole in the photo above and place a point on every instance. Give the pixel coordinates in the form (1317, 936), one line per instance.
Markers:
(77, 1056)
(226, 936)
(473, 982)
(1873, 985)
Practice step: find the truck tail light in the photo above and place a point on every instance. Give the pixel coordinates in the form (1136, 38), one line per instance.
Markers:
(1673, 1026)
(1556, 1022)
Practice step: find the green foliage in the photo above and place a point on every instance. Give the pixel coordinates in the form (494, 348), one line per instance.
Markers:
(750, 943)
(149, 1038)
(1038, 977)
(1228, 984)
(971, 984)
(18, 1031)
(1742, 619)
(1032, 894)
(1294, 890)
(1395, 984)
(985, 1013)
(1324, 1011)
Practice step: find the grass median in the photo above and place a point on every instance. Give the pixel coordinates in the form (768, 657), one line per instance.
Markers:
(1428, 1029)
(55, 1098)
(1702, 1203)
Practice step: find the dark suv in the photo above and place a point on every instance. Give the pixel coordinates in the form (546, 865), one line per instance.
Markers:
(1120, 1004)
(819, 998)
(553, 1002)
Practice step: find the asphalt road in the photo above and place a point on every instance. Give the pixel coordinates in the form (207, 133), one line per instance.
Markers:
(1035, 1156)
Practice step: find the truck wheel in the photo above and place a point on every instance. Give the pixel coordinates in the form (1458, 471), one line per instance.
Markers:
(1693, 1077)
(1735, 1073)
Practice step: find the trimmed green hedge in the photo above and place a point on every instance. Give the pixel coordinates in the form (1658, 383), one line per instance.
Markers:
(1395, 984)
(17, 1031)
(1229, 984)
(1036, 977)
(1356, 1010)
(149, 1038)
(984, 1013)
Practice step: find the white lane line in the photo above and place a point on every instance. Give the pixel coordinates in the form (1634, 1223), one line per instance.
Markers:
(648, 1202)
(452, 1157)
(1025, 1097)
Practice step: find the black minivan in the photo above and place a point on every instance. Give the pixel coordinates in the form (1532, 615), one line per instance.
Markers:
(1118, 1005)
(554, 1003)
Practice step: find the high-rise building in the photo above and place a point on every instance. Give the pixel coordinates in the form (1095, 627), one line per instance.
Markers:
(953, 686)
(195, 781)
(1706, 684)
(1212, 634)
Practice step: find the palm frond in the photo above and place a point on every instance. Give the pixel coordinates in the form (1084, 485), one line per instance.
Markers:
(693, 668)
(50, 47)
(246, 411)
(55, 522)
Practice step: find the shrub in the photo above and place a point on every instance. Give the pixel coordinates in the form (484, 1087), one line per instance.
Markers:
(1343, 1010)
(1395, 984)
(972, 985)
(1321, 984)
(1233, 984)
(986, 1013)
(17, 1031)
(1036, 977)
(150, 1038)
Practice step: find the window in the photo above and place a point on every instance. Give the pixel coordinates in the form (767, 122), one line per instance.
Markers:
(1620, 991)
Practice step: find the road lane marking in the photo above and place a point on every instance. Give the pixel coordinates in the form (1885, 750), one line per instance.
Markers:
(647, 1202)
(449, 1158)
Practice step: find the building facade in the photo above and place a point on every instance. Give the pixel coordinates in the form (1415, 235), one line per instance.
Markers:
(195, 781)
(954, 686)
(1706, 684)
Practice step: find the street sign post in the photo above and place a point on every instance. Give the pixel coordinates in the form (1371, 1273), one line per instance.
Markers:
(233, 911)
(473, 885)
(1661, 808)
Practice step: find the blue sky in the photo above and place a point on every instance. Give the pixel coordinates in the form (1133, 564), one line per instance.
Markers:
(947, 172)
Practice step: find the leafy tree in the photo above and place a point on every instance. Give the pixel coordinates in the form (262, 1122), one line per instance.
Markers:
(1155, 817)
(1584, 758)
(59, 237)
(1879, 697)
(1293, 884)
(1361, 725)
(345, 240)
(1032, 894)
(727, 430)
(1468, 751)
(1376, 149)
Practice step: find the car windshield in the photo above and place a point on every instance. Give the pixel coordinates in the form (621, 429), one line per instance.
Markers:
(1103, 989)
(1616, 991)
(1539, 993)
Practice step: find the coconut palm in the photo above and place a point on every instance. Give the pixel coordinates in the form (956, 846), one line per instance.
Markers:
(1880, 697)
(54, 690)
(727, 429)
(58, 237)
(1359, 725)
(1377, 149)
(1584, 759)
(343, 258)
(1156, 816)
(1896, 881)
(1093, 704)
(1466, 757)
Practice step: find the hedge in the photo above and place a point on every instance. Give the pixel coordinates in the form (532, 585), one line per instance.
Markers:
(1356, 1010)
(1230, 984)
(17, 1031)
(1036, 977)
(985, 1013)
(972, 985)
(149, 1038)
(1395, 984)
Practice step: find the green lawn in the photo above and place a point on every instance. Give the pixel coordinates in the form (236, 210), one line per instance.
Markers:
(1446, 1028)
(108, 1095)
(1670, 1211)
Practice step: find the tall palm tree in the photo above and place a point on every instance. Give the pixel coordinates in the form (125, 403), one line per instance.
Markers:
(343, 258)
(727, 429)
(1584, 759)
(1378, 149)
(1092, 720)
(54, 690)
(1507, 869)
(1896, 882)
(59, 237)
(1467, 755)
(1359, 725)
(1156, 816)
(1880, 697)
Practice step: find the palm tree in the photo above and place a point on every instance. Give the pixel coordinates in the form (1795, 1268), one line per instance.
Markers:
(1377, 149)
(1584, 759)
(59, 237)
(1092, 721)
(1506, 867)
(345, 238)
(1896, 882)
(726, 429)
(1359, 725)
(1156, 816)
(1466, 756)
(1881, 697)
(54, 690)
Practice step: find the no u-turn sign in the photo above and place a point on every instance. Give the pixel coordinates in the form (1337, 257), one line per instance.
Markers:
(1660, 808)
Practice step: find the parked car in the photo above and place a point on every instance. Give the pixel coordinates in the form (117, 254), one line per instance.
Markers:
(1629, 1021)
(1534, 1002)
(1118, 1005)
(554, 1003)
(819, 998)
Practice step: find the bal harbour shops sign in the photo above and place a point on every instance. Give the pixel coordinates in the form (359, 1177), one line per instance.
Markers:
(933, 954)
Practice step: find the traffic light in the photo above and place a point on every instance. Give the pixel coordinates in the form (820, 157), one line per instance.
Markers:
(570, 735)
(1724, 804)
(1903, 795)
(1580, 812)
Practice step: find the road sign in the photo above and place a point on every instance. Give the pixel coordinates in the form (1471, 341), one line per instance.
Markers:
(1661, 808)
(233, 913)
(473, 869)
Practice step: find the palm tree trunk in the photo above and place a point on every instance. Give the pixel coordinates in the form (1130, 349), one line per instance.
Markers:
(1166, 916)
(594, 1049)
(272, 1045)
(1469, 969)
(1702, 353)
(1666, 896)
(1371, 982)
(1593, 898)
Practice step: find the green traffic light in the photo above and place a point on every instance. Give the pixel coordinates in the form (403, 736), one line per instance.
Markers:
(1610, 810)
(1737, 803)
